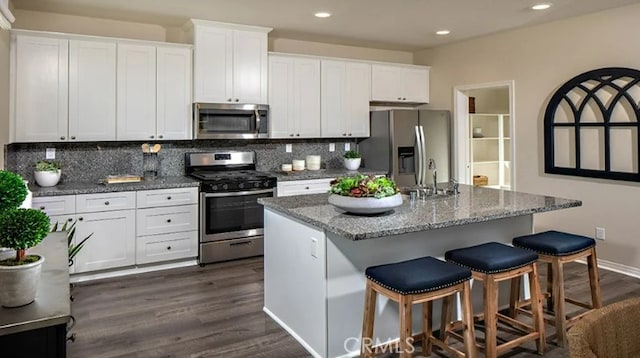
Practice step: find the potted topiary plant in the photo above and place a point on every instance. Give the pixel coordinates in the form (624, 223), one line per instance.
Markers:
(352, 160)
(20, 229)
(47, 173)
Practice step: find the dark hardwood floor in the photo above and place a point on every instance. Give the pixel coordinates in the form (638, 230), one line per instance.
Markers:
(216, 311)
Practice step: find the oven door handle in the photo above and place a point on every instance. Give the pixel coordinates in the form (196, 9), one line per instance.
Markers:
(237, 193)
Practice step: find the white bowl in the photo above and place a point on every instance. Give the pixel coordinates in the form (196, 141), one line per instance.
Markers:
(46, 179)
(366, 205)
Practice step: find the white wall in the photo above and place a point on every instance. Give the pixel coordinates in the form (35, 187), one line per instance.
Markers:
(540, 59)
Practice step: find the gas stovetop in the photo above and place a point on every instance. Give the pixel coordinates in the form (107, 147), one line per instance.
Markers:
(227, 172)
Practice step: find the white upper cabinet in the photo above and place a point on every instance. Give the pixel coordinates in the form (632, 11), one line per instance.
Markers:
(92, 90)
(230, 63)
(345, 95)
(294, 97)
(136, 105)
(173, 94)
(39, 88)
(400, 83)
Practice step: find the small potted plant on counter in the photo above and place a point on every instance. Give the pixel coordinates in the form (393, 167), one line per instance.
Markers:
(20, 229)
(47, 173)
(352, 160)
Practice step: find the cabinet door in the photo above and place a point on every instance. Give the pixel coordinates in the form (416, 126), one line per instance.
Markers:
(249, 67)
(333, 99)
(40, 89)
(281, 97)
(213, 64)
(306, 98)
(92, 90)
(358, 93)
(416, 84)
(136, 92)
(173, 112)
(112, 243)
(385, 83)
(302, 187)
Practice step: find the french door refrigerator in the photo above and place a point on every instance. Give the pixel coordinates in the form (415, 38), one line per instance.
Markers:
(410, 145)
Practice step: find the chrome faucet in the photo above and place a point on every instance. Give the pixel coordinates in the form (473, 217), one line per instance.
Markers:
(455, 186)
(432, 166)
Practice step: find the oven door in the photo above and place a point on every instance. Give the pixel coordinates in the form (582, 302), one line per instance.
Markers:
(232, 215)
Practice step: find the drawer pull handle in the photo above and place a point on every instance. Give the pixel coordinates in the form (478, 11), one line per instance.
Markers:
(106, 203)
(70, 219)
(240, 243)
(306, 187)
(168, 198)
(42, 208)
(168, 220)
(80, 218)
(168, 247)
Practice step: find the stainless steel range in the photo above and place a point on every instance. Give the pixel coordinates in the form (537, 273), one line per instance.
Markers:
(231, 220)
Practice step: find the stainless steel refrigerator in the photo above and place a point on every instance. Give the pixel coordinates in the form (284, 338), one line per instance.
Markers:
(411, 145)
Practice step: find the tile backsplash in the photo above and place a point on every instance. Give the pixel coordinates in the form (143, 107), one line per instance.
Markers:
(91, 161)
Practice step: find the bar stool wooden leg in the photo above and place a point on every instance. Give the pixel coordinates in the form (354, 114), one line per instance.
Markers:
(594, 278)
(558, 302)
(367, 323)
(490, 318)
(445, 318)
(427, 331)
(405, 326)
(536, 308)
(467, 322)
(514, 297)
(549, 286)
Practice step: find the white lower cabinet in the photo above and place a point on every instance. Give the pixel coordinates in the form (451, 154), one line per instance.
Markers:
(112, 243)
(166, 247)
(302, 187)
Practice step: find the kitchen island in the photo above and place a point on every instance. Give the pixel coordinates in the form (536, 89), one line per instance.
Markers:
(315, 255)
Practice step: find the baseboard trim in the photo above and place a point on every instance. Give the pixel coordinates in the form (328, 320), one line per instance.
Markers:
(291, 332)
(619, 268)
(82, 277)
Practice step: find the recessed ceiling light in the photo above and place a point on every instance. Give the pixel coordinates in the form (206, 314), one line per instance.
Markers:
(541, 6)
(322, 14)
(443, 32)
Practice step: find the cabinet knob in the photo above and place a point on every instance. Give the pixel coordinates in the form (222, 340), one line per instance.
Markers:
(349, 134)
(168, 247)
(73, 137)
(168, 220)
(152, 136)
(168, 198)
(42, 208)
(291, 135)
(399, 98)
(160, 136)
(306, 187)
(404, 98)
(344, 134)
(229, 100)
(80, 218)
(297, 134)
(62, 138)
(106, 203)
(237, 100)
(70, 219)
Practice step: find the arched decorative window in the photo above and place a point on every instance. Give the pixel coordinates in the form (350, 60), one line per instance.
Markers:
(591, 126)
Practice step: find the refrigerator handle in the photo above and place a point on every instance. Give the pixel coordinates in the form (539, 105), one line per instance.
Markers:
(419, 172)
(423, 155)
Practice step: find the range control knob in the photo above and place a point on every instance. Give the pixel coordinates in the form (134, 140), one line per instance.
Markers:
(225, 186)
(214, 187)
(256, 184)
(266, 184)
(241, 186)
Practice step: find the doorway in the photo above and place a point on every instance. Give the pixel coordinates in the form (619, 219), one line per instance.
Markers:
(484, 143)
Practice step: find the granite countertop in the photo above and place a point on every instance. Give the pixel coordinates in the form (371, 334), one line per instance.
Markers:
(51, 306)
(93, 188)
(473, 204)
(323, 173)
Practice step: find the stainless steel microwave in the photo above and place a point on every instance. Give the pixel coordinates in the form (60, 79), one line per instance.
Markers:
(230, 121)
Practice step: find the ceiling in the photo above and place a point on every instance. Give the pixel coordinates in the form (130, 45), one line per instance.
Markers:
(389, 24)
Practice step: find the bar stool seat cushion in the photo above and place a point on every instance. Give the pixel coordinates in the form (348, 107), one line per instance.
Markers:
(418, 275)
(554, 243)
(491, 257)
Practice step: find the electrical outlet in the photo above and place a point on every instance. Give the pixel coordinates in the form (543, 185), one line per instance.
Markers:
(332, 147)
(600, 234)
(314, 247)
(50, 153)
(288, 148)
(347, 146)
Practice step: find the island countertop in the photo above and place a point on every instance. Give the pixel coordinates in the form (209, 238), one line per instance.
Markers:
(471, 205)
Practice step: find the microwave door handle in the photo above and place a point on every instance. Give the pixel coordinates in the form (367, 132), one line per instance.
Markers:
(257, 121)
(418, 173)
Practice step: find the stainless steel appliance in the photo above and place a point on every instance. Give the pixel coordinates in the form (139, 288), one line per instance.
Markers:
(231, 220)
(230, 121)
(413, 146)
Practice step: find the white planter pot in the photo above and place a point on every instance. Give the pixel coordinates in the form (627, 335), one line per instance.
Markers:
(45, 179)
(352, 163)
(19, 283)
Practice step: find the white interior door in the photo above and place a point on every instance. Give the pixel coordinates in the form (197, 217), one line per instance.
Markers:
(461, 167)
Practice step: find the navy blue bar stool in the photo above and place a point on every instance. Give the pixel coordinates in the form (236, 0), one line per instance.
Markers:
(555, 249)
(494, 262)
(421, 280)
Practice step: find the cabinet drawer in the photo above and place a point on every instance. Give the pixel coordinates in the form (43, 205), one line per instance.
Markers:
(301, 187)
(55, 205)
(156, 221)
(167, 247)
(166, 197)
(87, 203)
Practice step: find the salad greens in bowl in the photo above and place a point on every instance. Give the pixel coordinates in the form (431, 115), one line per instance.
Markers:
(363, 186)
